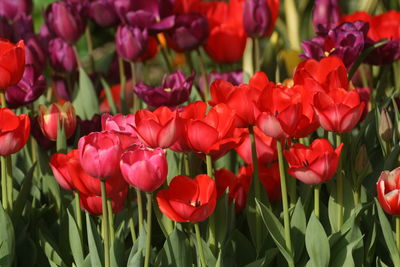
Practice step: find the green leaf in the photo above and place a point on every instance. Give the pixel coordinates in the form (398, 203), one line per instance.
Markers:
(317, 243)
(243, 248)
(75, 240)
(117, 253)
(24, 193)
(61, 142)
(164, 222)
(136, 256)
(298, 226)
(208, 255)
(50, 250)
(275, 228)
(51, 187)
(7, 239)
(110, 99)
(176, 250)
(96, 250)
(388, 235)
(85, 100)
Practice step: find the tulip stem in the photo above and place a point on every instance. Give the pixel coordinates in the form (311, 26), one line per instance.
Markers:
(9, 182)
(110, 220)
(89, 44)
(78, 213)
(78, 59)
(339, 186)
(148, 234)
(140, 209)
(130, 211)
(122, 81)
(3, 99)
(186, 163)
(398, 232)
(211, 219)
(4, 183)
(199, 245)
(164, 54)
(204, 75)
(316, 200)
(256, 186)
(256, 55)
(286, 221)
(105, 224)
(135, 99)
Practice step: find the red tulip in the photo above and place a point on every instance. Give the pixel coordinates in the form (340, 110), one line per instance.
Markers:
(14, 131)
(214, 133)
(12, 63)
(271, 181)
(93, 204)
(315, 164)
(388, 188)
(59, 165)
(158, 128)
(50, 117)
(187, 199)
(99, 154)
(144, 169)
(122, 126)
(339, 110)
(266, 148)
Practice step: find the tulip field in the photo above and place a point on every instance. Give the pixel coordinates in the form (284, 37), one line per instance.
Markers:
(227, 133)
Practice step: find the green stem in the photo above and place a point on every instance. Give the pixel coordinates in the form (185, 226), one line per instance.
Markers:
(111, 220)
(78, 213)
(199, 245)
(186, 163)
(148, 234)
(316, 200)
(164, 55)
(256, 55)
(140, 209)
(204, 76)
(122, 80)
(339, 186)
(4, 183)
(134, 81)
(105, 224)
(356, 196)
(3, 98)
(398, 232)
(78, 59)
(130, 211)
(10, 182)
(211, 219)
(286, 221)
(89, 44)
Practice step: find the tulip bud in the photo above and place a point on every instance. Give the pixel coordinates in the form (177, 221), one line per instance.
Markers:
(189, 32)
(131, 42)
(62, 56)
(256, 17)
(65, 19)
(50, 117)
(385, 126)
(28, 89)
(12, 9)
(362, 161)
(326, 13)
(35, 54)
(103, 13)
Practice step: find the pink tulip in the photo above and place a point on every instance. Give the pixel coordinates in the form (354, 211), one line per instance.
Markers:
(144, 169)
(99, 154)
(388, 189)
(122, 126)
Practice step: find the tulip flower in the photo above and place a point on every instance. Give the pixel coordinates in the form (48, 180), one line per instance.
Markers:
(36, 132)
(14, 131)
(131, 42)
(59, 163)
(387, 188)
(66, 20)
(270, 180)
(315, 164)
(385, 129)
(99, 154)
(144, 169)
(256, 17)
(50, 117)
(62, 56)
(326, 13)
(12, 63)
(93, 205)
(187, 199)
(174, 90)
(12, 9)
(88, 126)
(339, 110)
(6, 30)
(103, 12)
(234, 77)
(35, 53)
(158, 128)
(22, 27)
(28, 89)
(122, 126)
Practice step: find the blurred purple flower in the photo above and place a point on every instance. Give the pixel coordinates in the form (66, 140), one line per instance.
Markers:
(35, 54)
(103, 12)
(62, 55)
(256, 17)
(6, 31)
(326, 14)
(21, 27)
(234, 77)
(173, 91)
(12, 9)
(60, 86)
(88, 126)
(385, 54)
(131, 42)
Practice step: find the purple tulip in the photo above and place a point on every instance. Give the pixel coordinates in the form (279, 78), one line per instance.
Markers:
(234, 77)
(28, 89)
(256, 18)
(326, 14)
(385, 54)
(62, 55)
(22, 26)
(66, 20)
(131, 42)
(5, 29)
(12, 9)
(35, 54)
(60, 86)
(88, 126)
(174, 90)
(346, 41)
(189, 32)
(103, 13)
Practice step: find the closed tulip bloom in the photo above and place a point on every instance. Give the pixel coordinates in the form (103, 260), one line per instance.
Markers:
(144, 169)
(62, 56)
(35, 54)
(103, 12)
(14, 131)
(157, 129)
(326, 13)
(50, 117)
(59, 165)
(315, 164)
(256, 17)
(122, 126)
(28, 89)
(388, 189)
(93, 204)
(100, 153)
(12, 63)
(66, 20)
(339, 110)
(12, 9)
(173, 91)
(187, 199)
(131, 42)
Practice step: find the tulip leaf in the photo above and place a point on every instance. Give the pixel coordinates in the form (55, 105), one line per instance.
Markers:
(85, 100)
(208, 255)
(317, 243)
(7, 239)
(50, 250)
(275, 228)
(248, 67)
(61, 142)
(51, 187)
(75, 240)
(164, 222)
(136, 255)
(298, 225)
(117, 251)
(24, 193)
(243, 248)
(96, 250)
(388, 235)
(109, 96)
